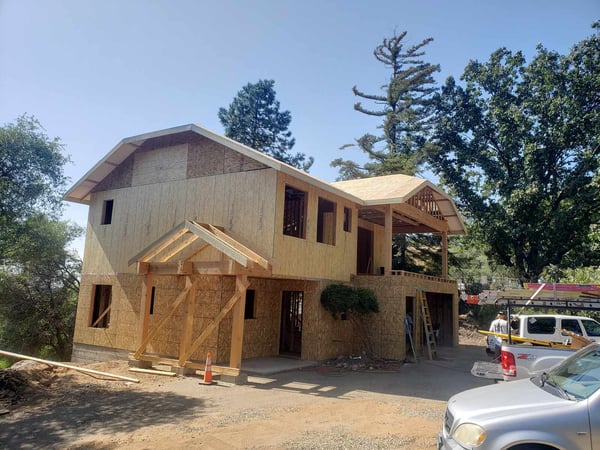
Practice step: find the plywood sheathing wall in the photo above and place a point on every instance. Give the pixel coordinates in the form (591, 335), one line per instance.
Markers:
(124, 312)
(156, 189)
(386, 328)
(306, 258)
(261, 334)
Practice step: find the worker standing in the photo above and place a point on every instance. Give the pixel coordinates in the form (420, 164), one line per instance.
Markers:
(499, 325)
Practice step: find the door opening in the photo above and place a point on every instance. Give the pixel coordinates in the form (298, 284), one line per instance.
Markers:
(290, 340)
(364, 254)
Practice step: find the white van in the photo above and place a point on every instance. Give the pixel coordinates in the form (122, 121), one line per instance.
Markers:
(547, 327)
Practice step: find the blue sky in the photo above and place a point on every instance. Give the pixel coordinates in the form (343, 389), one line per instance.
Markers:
(95, 72)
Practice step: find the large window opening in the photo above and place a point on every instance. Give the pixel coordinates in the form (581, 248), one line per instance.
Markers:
(101, 306)
(326, 222)
(107, 212)
(294, 213)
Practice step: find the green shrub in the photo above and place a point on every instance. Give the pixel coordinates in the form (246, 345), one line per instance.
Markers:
(340, 298)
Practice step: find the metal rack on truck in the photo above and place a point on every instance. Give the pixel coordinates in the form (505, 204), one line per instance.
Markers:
(545, 296)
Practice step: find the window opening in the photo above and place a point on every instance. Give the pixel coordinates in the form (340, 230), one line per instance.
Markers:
(101, 306)
(294, 213)
(249, 310)
(347, 219)
(107, 211)
(326, 222)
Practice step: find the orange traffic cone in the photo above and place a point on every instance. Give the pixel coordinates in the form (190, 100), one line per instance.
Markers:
(208, 370)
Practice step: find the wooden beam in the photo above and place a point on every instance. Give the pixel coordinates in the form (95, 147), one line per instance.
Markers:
(194, 249)
(444, 255)
(236, 244)
(142, 268)
(153, 372)
(180, 298)
(387, 239)
(217, 243)
(188, 329)
(185, 267)
(219, 317)
(406, 219)
(185, 242)
(160, 244)
(101, 316)
(68, 366)
(197, 268)
(224, 370)
(145, 309)
(422, 217)
(415, 230)
(237, 326)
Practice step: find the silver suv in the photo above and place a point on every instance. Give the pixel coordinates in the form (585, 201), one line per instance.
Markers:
(559, 409)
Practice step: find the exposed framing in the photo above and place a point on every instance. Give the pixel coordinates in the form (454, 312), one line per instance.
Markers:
(326, 223)
(294, 212)
(161, 258)
(101, 303)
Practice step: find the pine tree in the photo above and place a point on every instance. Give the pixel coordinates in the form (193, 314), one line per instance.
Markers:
(254, 119)
(406, 108)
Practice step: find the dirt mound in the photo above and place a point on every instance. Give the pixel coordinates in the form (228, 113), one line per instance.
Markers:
(23, 377)
(467, 331)
(12, 386)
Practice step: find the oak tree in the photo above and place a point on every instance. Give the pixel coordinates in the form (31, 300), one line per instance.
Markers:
(518, 144)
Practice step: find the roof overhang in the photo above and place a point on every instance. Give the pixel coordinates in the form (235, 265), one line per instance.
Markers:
(400, 191)
(366, 193)
(173, 251)
(82, 189)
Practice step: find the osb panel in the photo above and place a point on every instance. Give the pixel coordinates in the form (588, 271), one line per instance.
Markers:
(323, 337)
(207, 157)
(387, 326)
(140, 216)
(307, 258)
(119, 178)
(160, 166)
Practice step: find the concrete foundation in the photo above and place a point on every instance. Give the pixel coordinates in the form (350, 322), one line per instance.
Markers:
(242, 378)
(140, 364)
(183, 371)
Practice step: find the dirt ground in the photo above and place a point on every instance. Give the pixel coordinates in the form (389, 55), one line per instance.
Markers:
(323, 407)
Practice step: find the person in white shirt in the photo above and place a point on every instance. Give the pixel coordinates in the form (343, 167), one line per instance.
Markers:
(498, 325)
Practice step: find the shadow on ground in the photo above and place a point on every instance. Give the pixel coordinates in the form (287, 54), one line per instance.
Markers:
(98, 411)
(437, 379)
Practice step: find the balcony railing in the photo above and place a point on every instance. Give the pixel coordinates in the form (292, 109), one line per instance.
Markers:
(421, 276)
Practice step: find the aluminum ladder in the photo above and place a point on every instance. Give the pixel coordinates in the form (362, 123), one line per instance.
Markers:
(427, 325)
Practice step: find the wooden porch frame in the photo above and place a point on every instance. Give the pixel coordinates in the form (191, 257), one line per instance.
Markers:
(410, 213)
(158, 259)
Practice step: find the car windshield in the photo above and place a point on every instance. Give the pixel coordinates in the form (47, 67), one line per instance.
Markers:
(592, 328)
(576, 377)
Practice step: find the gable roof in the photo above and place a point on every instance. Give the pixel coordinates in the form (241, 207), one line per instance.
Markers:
(81, 190)
(390, 189)
(399, 188)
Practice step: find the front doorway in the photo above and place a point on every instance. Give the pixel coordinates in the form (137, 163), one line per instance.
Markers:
(290, 341)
